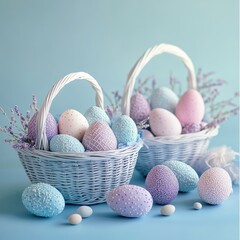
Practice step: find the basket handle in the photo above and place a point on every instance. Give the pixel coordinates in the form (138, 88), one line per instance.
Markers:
(41, 141)
(142, 61)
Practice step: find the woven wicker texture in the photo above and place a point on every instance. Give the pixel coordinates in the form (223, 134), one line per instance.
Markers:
(82, 178)
(186, 147)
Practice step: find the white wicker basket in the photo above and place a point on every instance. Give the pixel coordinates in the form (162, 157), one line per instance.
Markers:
(82, 178)
(186, 147)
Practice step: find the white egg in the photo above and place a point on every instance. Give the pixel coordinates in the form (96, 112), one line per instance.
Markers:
(167, 210)
(197, 205)
(85, 211)
(74, 219)
(73, 123)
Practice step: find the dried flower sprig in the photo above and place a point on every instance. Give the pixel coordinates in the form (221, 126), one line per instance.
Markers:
(18, 125)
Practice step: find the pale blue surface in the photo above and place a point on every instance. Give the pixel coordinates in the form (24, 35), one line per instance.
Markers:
(41, 41)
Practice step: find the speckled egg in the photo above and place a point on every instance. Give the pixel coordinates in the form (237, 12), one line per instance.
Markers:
(43, 200)
(125, 130)
(164, 123)
(215, 185)
(164, 97)
(186, 175)
(65, 143)
(162, 183)
(139, 107)
(130, 201)
(73, 123)
(50, 125)
(190, 108)
(99, 137)
(95, 113)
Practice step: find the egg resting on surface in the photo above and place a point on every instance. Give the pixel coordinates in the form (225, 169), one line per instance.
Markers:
(65, 143)
(167, 210)
(125, 130)
(130, 201)
(95, 113)
(85, 211)
(164, 97)
(43, 200)
(186, 175)
(162, 184)
(139, 108)
(50, 126)
(73, 123)
(164, 123)
(99, 137)
(215, 185)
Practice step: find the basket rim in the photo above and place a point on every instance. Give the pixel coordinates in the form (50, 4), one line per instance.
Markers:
(97, 155)
(184, 138)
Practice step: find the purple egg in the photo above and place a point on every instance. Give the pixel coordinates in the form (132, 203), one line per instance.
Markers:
(130, 201)
(51, 127)
(162, 183)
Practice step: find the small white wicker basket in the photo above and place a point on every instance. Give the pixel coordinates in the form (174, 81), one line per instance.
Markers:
(82, 178)
(186, 147)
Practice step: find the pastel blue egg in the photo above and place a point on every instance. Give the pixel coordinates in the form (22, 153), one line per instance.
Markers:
(43, 200)
(125, 130)
(65, 143)
(186, 175)
(94, 114)
(164, 97)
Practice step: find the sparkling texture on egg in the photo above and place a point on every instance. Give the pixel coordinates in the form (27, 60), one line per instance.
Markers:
(215, 185)
(186, 175)
(99, 137)
(95, 113)
(162, 183)
(130, 201)
(164, 97)
(125, 130)
(50, 126)
(43, 200)
(65, 143)
(139, 107)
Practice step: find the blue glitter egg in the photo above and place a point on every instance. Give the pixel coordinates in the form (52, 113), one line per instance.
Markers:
(125, 130)
(185, 174)
(43, 200)
(65, 143)
(96, 114)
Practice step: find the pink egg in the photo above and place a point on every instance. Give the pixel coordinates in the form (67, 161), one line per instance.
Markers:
(73, 123)
(99, 137)
(164, 123)
(190, 108)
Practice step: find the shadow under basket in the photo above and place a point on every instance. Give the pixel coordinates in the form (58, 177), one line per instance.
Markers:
(81, 178)
(187, 148)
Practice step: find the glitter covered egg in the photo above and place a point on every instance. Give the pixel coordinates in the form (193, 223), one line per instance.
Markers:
(130, 201)
(125, 130)
(164, 123)
(190, 108)
(139, 107)
(215, 185)
(50, 126)
(43, 200)
(65, 143)
(73, 123)
(164, 97)
(95, 113)
(162, 183)
(186, 175)
(99, 137)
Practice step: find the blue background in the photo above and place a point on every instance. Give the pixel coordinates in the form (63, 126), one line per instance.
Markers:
(41, 41)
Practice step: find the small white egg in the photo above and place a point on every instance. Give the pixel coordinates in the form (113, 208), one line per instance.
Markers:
(197, 205)
(167, 210)
(85, 211)
(74, 219)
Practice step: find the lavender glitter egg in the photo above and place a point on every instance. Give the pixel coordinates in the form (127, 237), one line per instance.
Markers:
(130, 201)
(50, 126)
(162, 183)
